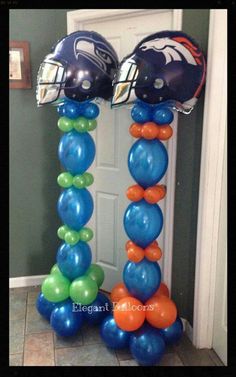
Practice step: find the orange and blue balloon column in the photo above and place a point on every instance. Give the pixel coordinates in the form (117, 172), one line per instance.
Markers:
(145, 318)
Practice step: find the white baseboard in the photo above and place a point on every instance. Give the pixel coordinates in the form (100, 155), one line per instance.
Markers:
(26, 281)
(187, 329)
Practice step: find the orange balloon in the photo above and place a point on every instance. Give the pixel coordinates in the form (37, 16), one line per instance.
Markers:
(129, 314)
(150, 130)
(165, 132)
(118, 292)
(161, 311)
(135, 254)
(162, 290)
(129, 244)
(135, 193)
(153, 253)
(135, 130)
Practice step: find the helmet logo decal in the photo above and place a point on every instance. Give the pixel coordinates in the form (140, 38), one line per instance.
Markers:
(172, 49)
(97, 53)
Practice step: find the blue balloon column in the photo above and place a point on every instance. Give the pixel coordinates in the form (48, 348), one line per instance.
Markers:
(69, 295)
(147, 330)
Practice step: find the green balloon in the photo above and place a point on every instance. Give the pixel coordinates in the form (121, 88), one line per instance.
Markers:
(79, 181)
(92, 124)
(83, 290)
(55, 270)
(72, 237)
(88, 179)
(61, 232)
(86, 234)
(96, 273)
(65, 180)
(65, 124)
(81, 124)
(56, 288)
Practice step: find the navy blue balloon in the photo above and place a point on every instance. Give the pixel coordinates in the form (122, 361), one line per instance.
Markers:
(44, 306)
(147, 161)
(141, 113)
(99, 309)
(65, 321)
(71, 110)
(143, 222)
(61, 110)
(112, 335)
(76, 151)
(147, 345)
(162, 116)
(73, 261)
(173, 333)
(75, 207)
(142, 279)
(90, 110)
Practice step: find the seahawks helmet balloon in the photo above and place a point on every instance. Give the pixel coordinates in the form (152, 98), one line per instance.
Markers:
(165, 66)
(80, 67)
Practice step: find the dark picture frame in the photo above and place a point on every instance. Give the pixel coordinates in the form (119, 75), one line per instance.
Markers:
(19, 65)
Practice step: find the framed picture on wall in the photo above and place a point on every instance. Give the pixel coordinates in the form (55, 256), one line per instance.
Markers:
(19, 65)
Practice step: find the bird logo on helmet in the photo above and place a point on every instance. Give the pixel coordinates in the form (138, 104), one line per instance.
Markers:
(165, 66)
(80, 67)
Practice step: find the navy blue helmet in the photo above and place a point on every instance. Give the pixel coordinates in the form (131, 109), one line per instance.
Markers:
(165, 66)
(81, 66)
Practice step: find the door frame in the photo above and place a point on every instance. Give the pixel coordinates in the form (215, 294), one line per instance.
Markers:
(75, 21)
(213, 138)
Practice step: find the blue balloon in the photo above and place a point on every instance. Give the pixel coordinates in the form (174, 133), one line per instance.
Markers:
(147, 161)
(99, 309)
(75, 207)
(65, 321)
(141, 113)
(90, 110)
(44, 306)
(76, 151)
(173, 333)
(142, 279)
(61, 110)
(73, 261)
(143, 222)
(112, 335)
(162, 116)
(71, 110)
(147, 345)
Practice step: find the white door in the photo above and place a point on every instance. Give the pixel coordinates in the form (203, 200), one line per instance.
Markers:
(220, 310)
(113, 142)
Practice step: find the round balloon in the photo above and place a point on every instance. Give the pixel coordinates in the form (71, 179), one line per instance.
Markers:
(147, 161)
(118, 292)
(142, 279)
(96, 273)
(71, 109)
(73, 261)
(112, 335)
(44, 306)
(75, 207)
(65, 321)
(143, 222)
(129, 313)
(56, 287)
(147, 345)
(161, 311)
(163, 116)
(97, 310)
(83, 290)
(173, 333)
(141, 113)
(76, 151)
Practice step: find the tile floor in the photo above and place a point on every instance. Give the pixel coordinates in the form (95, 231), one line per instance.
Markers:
(33, 343)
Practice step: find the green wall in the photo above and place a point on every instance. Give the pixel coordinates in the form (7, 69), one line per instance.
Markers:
(195, 23)
(33, 152)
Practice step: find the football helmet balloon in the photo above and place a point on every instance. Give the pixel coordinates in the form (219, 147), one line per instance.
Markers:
(80, 67)
(165, 66)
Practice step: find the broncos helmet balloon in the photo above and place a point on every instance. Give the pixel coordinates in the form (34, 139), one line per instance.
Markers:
(165, 66)
(80, 67)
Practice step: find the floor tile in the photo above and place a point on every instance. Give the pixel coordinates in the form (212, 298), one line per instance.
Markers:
(35, 322)
(123, 354)
(129, 363)
(170, 360)
(90, 355)
(17, 306)
(32, 297)
(91, 334)
(64, 342)
(16, 344)
(16, 360)
(17, 327)
(217, 361)
(39, 350)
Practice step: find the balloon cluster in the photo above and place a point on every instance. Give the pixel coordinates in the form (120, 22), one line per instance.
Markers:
(69, 294)
(145, 319)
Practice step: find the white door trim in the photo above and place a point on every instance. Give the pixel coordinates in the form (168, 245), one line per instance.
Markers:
(214, 124)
